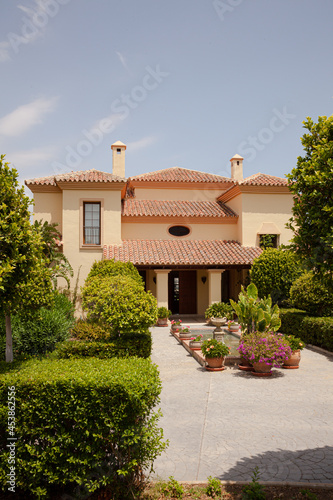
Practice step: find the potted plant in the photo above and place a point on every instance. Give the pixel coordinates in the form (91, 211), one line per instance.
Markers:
(264, 351)
(196, 342)
(296, 345)
(162, 316)
(184, 333)
(233, 326)
(214, 353)
(218, 310)
(176, 325)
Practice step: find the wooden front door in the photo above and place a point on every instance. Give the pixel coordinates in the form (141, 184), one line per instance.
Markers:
(187, 292)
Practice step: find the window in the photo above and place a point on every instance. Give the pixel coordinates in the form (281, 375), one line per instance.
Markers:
(91, 223)
(179, 230)
(268, 241)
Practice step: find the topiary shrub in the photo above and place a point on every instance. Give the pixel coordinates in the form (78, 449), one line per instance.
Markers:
(120, 346)
(91, 330)
(291, 321)
(121, 303)
(273, 273)
(110, 268)
(311, 295)
(163, 312)
(80, 424)
(219, 310)
(40, 332)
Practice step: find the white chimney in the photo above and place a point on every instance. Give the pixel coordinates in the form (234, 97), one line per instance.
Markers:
(237, 168)
(118, 158)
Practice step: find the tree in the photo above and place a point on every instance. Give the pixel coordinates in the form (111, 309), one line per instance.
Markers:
(25, 278)
(311, 182)
(273, 273)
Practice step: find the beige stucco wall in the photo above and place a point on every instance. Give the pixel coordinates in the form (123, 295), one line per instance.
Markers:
(177, 194)
(72, 227)
(48, 207)
(159, 231)
(236, 205)
(259, 208)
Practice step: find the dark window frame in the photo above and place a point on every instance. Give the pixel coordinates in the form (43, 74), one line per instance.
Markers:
(188, 230)
(85, 203)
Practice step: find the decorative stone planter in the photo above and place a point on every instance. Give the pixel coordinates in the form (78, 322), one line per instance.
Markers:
(234, 328)
(184, 336)
(293, 361)
(196, 346)
(162, 322)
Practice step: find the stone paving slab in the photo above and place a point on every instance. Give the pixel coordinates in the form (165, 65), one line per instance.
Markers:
(226, 423)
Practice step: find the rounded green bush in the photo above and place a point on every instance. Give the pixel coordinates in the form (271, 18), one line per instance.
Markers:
(109, 268)
(273, 273)
(310, 294)
(91, 330)
(121, 303)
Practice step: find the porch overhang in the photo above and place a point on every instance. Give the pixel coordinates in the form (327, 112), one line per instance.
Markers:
(182, 253)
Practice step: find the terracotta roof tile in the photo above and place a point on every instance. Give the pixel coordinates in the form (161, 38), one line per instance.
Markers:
(177, 174)
(182, 252)
(137, 208)
(91, 175)
(263, 180)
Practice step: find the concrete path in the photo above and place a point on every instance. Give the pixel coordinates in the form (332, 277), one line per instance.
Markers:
(224, 424)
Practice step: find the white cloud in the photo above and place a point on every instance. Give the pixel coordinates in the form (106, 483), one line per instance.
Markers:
(4, 51)
(30, 158)
(141, 143)
(26, 116)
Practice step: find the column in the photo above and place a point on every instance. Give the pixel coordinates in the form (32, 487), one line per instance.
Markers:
(214, 285)
(162, 287)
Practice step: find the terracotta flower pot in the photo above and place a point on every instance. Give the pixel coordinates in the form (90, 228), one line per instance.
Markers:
(261, 367)
(293, 361)
(162, 322)
(215, 362)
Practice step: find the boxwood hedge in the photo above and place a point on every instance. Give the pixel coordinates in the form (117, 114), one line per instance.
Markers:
(80, 424)
(312, 330)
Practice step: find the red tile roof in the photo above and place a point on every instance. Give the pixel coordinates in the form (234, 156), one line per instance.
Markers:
(177, 174)
(151, 208)
(91, 175)
(182, 252)
(263, 180)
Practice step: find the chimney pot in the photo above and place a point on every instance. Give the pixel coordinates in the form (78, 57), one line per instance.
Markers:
(237, 168)
(118, 158)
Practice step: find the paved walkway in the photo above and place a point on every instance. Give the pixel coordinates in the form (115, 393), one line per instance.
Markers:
(226, 423)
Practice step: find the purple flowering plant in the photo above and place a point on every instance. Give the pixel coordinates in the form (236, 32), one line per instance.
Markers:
(270, 348)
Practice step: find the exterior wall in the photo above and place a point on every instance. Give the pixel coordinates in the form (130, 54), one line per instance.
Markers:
(159, 231)
(73, 223)
(259, 208)
(236, 205)
(177, 194)
(48, 207)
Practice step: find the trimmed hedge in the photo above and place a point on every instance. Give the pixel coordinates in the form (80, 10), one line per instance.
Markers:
(312, 330)
(124, 346)
(91, 330)
(110, 268)
(310, 294)
(80, 424)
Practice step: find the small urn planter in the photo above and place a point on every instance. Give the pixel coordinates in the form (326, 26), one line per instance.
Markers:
(195, 345)
(293, 361)
(162, 322)
(234, 328)
(184, 335)
(261, 369)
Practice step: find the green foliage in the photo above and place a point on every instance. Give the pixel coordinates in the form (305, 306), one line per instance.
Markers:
(39, 333)
(308, 494)
(213, 488)
(122, 346)
(254, 490)
(311, 330)
(256, 315)
(211, 348)
(311, 182)
(163, 312)
(81, 424)
(172, 488)
(312, 295)
(25, 279)
(267, 241)
(295, 343)
(110, 268)
(273, 273)
(121, 303)
(219, 310)
(91, 330)
(58, 263)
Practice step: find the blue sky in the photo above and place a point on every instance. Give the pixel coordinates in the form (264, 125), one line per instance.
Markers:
(185, 83)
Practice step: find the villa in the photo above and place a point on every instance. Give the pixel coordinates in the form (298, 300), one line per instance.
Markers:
(192, 235)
